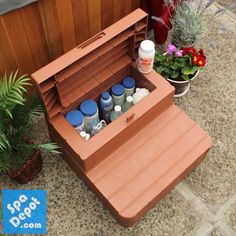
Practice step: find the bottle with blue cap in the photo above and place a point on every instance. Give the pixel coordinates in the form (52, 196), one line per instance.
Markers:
(118, 94)
(76, 119)
(129, 84)
(106, 104)
(89, 110)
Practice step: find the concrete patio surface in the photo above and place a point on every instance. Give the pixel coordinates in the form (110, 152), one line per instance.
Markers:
(204, 203)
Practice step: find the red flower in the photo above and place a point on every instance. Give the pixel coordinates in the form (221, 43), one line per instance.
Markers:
(202, 53)
(185, 51)
(201, 62)
(195, 58)
(190, 50)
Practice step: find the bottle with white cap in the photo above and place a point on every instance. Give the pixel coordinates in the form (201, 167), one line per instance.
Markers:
(106, 104)
(128, 103)
(116, 113)
(146, 55)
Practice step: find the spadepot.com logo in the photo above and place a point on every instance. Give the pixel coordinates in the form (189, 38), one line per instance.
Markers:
(24, 211)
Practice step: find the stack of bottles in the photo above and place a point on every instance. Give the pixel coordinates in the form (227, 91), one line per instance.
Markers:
(122, 97)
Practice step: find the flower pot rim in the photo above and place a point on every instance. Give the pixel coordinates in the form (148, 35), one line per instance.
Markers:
(184, 46)
(190, 44)
(184, 81)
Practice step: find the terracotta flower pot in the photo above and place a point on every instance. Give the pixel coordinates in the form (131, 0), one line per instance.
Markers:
(29, 169)
(182, 87)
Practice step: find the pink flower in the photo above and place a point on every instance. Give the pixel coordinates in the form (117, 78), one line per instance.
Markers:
(170, 49)
(178, 53)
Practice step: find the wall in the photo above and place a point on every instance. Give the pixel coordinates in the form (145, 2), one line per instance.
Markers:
(34, 35)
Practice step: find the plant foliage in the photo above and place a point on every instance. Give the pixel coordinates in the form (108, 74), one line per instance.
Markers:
(16, 122)
(179, 65)
(188, 19)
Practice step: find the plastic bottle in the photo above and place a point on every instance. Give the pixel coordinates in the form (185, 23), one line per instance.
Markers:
(146, 55)
(140, 94)
(128, 103)
(76, 119)
(116, 113)
(89, 110)
(129, 84)
(106, 104)
(118, 94)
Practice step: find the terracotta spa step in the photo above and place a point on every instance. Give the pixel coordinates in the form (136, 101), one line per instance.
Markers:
(133, 162)
(140, 172)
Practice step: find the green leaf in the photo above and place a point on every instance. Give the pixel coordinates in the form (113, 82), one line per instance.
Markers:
(4, 143)
(11, 91)
(174, 74)
(160, 69)
(174, 66)
(8, 112)
(185, 77)
(49, 147)
(188, 70)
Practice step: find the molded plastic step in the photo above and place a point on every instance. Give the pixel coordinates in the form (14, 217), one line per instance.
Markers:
(143, 169)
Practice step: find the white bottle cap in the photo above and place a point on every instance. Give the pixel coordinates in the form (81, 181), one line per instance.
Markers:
(147, 45)
(117, 108)
(82, 134)
(129, 99)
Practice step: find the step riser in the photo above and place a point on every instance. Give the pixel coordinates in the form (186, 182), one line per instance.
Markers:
(111, 146)
(73, 163)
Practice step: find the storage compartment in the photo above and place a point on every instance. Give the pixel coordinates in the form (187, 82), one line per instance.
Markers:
(123, 128)
(134, 161)
(106, 83)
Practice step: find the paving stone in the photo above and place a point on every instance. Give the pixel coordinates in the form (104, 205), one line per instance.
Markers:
(227, 3)
(212, 104)
(216, 232)
(89, 217)
(232, 218)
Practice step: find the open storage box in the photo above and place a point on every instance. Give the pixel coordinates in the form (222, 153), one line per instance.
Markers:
(139, 157)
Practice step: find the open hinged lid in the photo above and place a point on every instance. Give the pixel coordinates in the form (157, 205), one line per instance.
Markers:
(68, 78)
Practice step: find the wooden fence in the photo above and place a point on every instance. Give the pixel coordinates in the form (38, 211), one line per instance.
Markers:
(34, 35)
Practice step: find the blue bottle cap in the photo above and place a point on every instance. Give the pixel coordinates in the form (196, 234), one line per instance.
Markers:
(117, 89)
(105, 95)
(128, 82)
(88, 107)
(75, 118)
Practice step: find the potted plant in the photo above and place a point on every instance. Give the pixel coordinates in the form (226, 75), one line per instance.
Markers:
(180, 67)
(20, 157)
(188, 20)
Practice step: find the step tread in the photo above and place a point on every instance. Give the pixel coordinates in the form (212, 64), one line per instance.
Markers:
(171, 142)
